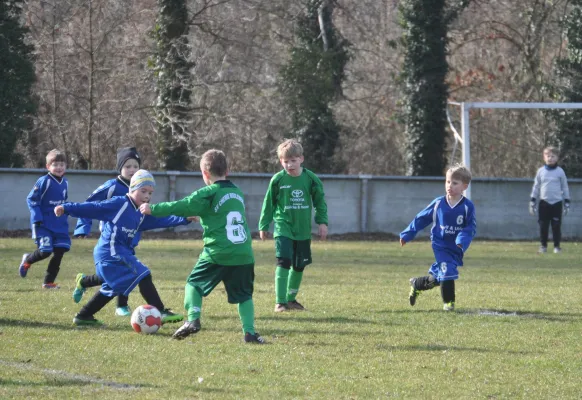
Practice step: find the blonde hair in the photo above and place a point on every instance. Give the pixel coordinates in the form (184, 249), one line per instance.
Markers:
(289, 148)
(460, 172)
(55, 155)
(553, 150)
(214, 162)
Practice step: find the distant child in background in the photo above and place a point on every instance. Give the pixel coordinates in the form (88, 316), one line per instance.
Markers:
(289, 201)
(128, 163)
(227, 255)
(50, 233)
(551, 189)
(452, 217)
(114, 253)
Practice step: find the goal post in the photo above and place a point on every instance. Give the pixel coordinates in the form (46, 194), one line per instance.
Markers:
(465, 137)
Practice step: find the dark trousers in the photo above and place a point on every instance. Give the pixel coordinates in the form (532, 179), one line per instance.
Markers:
(550, 214)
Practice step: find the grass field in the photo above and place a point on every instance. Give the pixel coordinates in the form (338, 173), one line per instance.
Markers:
(516, 332)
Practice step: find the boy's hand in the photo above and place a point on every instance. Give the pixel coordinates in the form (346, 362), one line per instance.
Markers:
(59, 210)
(145, 209)
(402, 242)
(191, 219)
(533, 208)
(566, 208)
(322, 230)
(263, 235)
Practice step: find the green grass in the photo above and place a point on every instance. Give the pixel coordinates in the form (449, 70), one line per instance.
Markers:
(516, 332)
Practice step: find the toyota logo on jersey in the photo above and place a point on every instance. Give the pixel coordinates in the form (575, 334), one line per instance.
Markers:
(297, 193)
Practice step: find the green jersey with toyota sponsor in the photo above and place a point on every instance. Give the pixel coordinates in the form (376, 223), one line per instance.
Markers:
(289, 202)
(221, 208)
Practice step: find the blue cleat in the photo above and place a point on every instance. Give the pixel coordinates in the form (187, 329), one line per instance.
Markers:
(79, 289)
(123, 311)
(23, 269)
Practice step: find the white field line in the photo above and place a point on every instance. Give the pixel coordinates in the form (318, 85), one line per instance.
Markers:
(67, 375)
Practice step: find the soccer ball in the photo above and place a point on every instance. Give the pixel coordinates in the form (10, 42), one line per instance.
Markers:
(146, 319)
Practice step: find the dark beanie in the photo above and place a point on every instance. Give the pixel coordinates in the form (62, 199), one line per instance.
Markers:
(125, 154)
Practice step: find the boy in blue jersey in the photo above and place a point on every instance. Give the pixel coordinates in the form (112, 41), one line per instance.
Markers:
(128, 162)
(453, 227)
(50, 233)
(114, 254)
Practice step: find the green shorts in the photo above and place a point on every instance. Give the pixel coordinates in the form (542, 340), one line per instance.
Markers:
(238, 280)
(298, 251)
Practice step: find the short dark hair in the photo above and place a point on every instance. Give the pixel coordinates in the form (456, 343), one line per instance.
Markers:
(214, 162)
(553, 150)
(460, 172)
(55, 155)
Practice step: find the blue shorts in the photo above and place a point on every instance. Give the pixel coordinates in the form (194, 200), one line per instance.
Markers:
(446, 266)
(121, 276)
(47, 240)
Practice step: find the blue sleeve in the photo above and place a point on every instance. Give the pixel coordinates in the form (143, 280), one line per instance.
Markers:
(465, 237)
(103, 210)
(34, 198)
(150, 222)
(421, 221)
(84, 224)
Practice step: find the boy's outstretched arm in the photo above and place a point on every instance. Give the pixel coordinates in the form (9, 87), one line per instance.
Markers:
(421, 221)
(102, 211)
(186, 207)
(150, 222)
(83, 227)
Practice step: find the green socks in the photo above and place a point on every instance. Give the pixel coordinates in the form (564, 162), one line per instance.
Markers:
(192, 302)
(246, 312)
(287, 282)
(281, 279)
(294, 283)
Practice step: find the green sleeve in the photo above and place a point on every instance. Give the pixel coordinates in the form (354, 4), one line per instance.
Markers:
(319, 203)
(268, 208)
(189, 206)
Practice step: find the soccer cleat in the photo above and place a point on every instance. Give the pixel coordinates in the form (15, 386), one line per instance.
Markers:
(123, 311)
(254, 338)
(169, 316)
(79, 289)
(542, 250)
(281, 307)
(449, 306)
(189, 328)
(413, 292)
(23, 269)
(557, 250)
(50, 285)
(86, 321)
(295, 305)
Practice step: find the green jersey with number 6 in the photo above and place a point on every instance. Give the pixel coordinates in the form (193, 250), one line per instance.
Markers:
(289, 202)
(221, 208)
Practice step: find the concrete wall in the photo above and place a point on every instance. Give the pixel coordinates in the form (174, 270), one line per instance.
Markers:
(355, 203)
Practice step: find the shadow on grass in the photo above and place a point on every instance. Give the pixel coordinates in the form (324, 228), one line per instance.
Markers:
(559, 317)
(443, 348)
(56, 383)
(5, 322)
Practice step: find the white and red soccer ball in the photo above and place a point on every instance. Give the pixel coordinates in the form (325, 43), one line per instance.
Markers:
(146, 319)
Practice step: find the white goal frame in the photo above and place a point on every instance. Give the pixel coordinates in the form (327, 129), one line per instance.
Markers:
(465, 137)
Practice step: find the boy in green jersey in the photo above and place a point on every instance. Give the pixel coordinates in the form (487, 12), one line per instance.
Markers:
(290, 198)
(227, 255)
